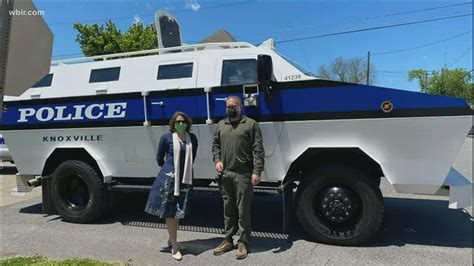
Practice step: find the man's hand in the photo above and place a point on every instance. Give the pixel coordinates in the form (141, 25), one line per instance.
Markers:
(219, 167)
(255, 179)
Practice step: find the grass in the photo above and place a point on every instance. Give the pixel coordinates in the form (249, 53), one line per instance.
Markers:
(44, 261)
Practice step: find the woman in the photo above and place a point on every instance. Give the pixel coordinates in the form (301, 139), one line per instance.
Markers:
(170, 191)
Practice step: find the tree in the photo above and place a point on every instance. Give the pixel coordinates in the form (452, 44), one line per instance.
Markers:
(352, 70)
(450, 82)
(98, 39)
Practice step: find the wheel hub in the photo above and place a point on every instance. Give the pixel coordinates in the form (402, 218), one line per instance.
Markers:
(75, 193)
(337, 204)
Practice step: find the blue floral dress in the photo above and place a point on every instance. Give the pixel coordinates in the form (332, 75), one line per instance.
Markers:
(161, 200)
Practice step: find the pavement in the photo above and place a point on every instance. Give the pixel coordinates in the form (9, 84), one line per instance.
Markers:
(8, 194)
(416, 230)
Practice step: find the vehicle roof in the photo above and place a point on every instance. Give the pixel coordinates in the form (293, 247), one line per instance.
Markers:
(138, 70)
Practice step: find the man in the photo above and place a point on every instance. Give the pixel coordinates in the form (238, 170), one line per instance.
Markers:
(239, 158)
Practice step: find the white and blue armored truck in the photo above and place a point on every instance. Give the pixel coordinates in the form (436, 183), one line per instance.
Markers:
(92, 126)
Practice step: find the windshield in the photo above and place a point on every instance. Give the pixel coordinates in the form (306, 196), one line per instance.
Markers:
(294, 64)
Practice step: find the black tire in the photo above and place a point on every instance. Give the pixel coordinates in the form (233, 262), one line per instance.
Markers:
(77, 192)
(339, 205)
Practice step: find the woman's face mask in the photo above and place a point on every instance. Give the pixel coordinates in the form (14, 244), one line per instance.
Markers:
(180, 127)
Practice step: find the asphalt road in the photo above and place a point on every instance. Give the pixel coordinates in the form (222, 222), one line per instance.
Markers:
(416, 230)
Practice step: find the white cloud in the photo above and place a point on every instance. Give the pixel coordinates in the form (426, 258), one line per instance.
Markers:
(136, 19)
(192, 4)
(149, 7)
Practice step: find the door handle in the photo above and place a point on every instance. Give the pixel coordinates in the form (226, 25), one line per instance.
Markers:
(160, 103)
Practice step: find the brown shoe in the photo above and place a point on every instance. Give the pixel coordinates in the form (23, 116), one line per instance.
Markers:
(241, 252)
(223, 247)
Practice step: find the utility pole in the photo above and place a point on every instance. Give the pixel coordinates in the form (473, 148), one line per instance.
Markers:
(368, 67)
(445, 58)
(426, 80)
(442, 81)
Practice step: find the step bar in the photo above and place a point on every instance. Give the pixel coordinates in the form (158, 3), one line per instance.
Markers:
(285, 190)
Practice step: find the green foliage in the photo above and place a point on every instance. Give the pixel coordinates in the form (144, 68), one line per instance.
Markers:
(98, 39)
(139, 38)
(450, 82)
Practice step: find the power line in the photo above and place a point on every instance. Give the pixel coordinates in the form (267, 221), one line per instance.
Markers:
(373, 28)
(362, 19)
(424, 45)
(391, 73)
(405, 73)
(420, 10)
(459, 58)
(149, 14)
(360, 30)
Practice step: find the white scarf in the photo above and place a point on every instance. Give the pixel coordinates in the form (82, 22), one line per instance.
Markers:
(188, 162)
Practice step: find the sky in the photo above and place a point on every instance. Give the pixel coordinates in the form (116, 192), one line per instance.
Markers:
(299, 29)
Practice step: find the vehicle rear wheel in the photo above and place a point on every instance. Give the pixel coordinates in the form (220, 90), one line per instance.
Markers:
(339, 205)
(77, 192)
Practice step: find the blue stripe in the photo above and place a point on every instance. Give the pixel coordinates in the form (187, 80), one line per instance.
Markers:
(284, 102)
(342, 99)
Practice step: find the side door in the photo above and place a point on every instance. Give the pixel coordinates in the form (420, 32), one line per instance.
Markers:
(175, 90)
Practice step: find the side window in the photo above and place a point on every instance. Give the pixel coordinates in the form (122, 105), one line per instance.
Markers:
(240, 71)
(104, 74)
(44, 82)
(176, 71)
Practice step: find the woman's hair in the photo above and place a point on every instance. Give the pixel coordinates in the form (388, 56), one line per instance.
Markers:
(188, 120)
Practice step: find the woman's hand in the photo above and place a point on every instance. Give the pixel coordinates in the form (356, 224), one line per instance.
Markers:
(255, 179)
(219, 167)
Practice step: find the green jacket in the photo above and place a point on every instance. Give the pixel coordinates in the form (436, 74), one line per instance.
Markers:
(240, 149)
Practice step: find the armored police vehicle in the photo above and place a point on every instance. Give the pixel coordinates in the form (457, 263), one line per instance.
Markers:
(91, 126)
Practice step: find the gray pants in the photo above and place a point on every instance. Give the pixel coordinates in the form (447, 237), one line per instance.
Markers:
(237, 193)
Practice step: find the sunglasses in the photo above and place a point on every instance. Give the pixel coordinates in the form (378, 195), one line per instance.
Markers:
(180, 122)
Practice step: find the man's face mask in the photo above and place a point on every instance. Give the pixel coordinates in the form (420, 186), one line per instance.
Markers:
(232, 111)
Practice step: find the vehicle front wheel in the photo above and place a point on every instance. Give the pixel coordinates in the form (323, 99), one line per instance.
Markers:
(339, 205)
(77, 192)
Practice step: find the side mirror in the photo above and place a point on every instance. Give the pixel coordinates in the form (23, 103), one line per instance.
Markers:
(265, 73)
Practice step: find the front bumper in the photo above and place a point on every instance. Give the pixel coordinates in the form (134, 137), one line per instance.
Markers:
(458, 188)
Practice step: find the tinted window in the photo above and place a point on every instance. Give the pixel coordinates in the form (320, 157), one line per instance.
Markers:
(176, 71)
(169, 29)
(104, 74)
(44, 82)
(242, 71)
